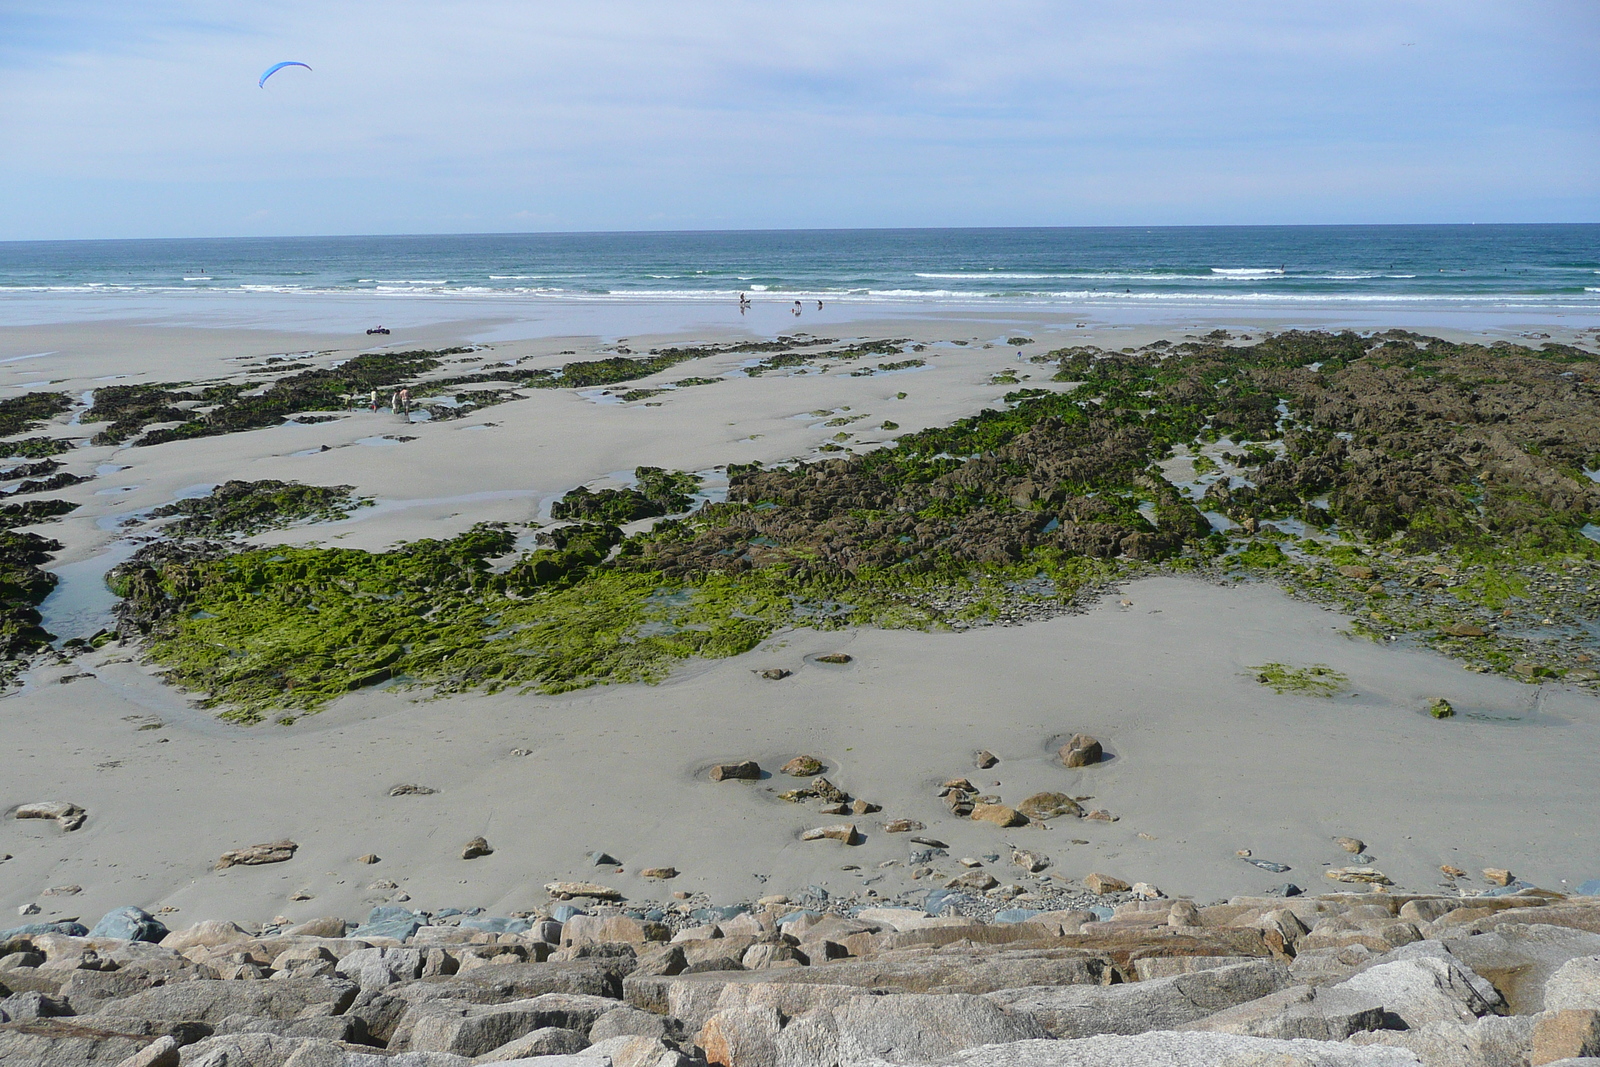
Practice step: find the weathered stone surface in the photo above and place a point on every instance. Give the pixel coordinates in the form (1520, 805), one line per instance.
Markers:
(1369, 875)
(1520, 960)
(596, 929)
(1565, 1034)
(474, 1029)
(67, 815)
(377, 968)
(1161, 1048)
(271, 852)
(998, 814)
(328, 926)
(210, 933)
(984, 759)
(19, 1007)
(1421, 990)
(568, 890)
(1049, 806)
(628, 1051)
(1574, 986)
(625, 1021)
(1132, 1008)
(162, 1052)
(1353, 845)
(77, 1043)
(902, 826)
(210, 1001)
(914, 1028)
(978, 880)
(1298, 1013)
(412, 790)
(1103, 884)
(545, 1041)
(660, 874)
(745, 770)
(803, 767)
(521, 981)
(476, 848)
(1488, 1042)
(1497, 875)
(1081, 751)
(129, 923)
(1358, 571)
(844, 832)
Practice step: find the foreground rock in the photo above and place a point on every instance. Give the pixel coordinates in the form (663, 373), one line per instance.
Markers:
(1359, 979)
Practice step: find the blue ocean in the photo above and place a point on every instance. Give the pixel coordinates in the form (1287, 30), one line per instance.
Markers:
(1503, 267)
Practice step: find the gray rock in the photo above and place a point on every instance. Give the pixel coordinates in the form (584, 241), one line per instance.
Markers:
(1520, 958)
(1575, 985)
(1492, 1041)
(628, 1022)
(349, 1028)
(162, 1052)
(474, 1029)
(546, 1041)
(913, 1028)
(212, 1001)
(626, 1051)
(389, 921)
(130, 924)
(70, 929)
(377, 968)
(1298, 1013)
(1133, 1008)
(1162, 1048)
(1421, 990)
(86, 1042)
(32, 1005)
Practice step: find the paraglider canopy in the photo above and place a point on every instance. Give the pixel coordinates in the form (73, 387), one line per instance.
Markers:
(277, 67)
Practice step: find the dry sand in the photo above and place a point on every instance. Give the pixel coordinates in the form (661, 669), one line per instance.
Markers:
(1206, 760)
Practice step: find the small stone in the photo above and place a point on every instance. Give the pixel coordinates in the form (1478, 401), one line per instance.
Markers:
(522, 752)
(864, 807)
(1102, 815)
(62, 891)
(774, 674)
(1497, 875)
(1081, 751)
(745, 770)
(1049, 806)
(835, 658)
(412, 791)
(1032, 862)
(602, 859)
(902, 826)
(999, 815)
(568, 890)
(29, 909)
(475, 848)
(272, 852)
(300, 895)
(1464, 629)
(1367, 875)
(382, 885)
(1146, 837)
(369, 858)
(660, 874)
(844, 831)
(979, 880)
(681, 894)
(803, 767)
(1350, 844)
(1102, 884)
(1358, 572)
(1453, 872)
(1244, 853)
(931, 842)
(968, 861)
(826, 790)
(1146, 891)
(1441, 709)
(984, 760)
(1569, 1035)
(67, 815)
(963, 784)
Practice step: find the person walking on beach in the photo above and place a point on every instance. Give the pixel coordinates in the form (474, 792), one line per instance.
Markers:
(394, 402)
(405, 400)
(374, 400)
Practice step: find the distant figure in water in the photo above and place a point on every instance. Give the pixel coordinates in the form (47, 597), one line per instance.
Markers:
(374, 400)
(819, 305)
(797, 307)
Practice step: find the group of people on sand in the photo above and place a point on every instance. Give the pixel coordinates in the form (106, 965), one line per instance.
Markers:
(745, 305)
(399, 401)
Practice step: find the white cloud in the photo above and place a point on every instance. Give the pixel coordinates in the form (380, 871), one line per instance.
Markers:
(146, 119)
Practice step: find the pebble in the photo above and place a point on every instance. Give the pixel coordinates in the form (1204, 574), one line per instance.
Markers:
(475, 848)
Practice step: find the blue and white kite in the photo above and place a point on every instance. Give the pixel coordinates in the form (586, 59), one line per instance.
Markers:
(277, 67)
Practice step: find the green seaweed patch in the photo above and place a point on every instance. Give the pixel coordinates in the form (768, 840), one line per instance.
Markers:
(35, 447)
(1318, 680)
(240, 508)
(19, 414)
(659, 492)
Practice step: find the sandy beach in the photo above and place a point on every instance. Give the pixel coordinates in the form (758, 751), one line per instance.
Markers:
(1205, 761)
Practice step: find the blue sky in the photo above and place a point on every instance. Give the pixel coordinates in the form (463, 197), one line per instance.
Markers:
(144, 119)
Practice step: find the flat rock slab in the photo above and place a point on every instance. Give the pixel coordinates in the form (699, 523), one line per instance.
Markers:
(1167, 1049)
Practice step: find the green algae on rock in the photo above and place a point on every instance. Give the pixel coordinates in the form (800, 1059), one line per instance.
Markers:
(242, 508)
(1318, 680)
(1415, 483)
